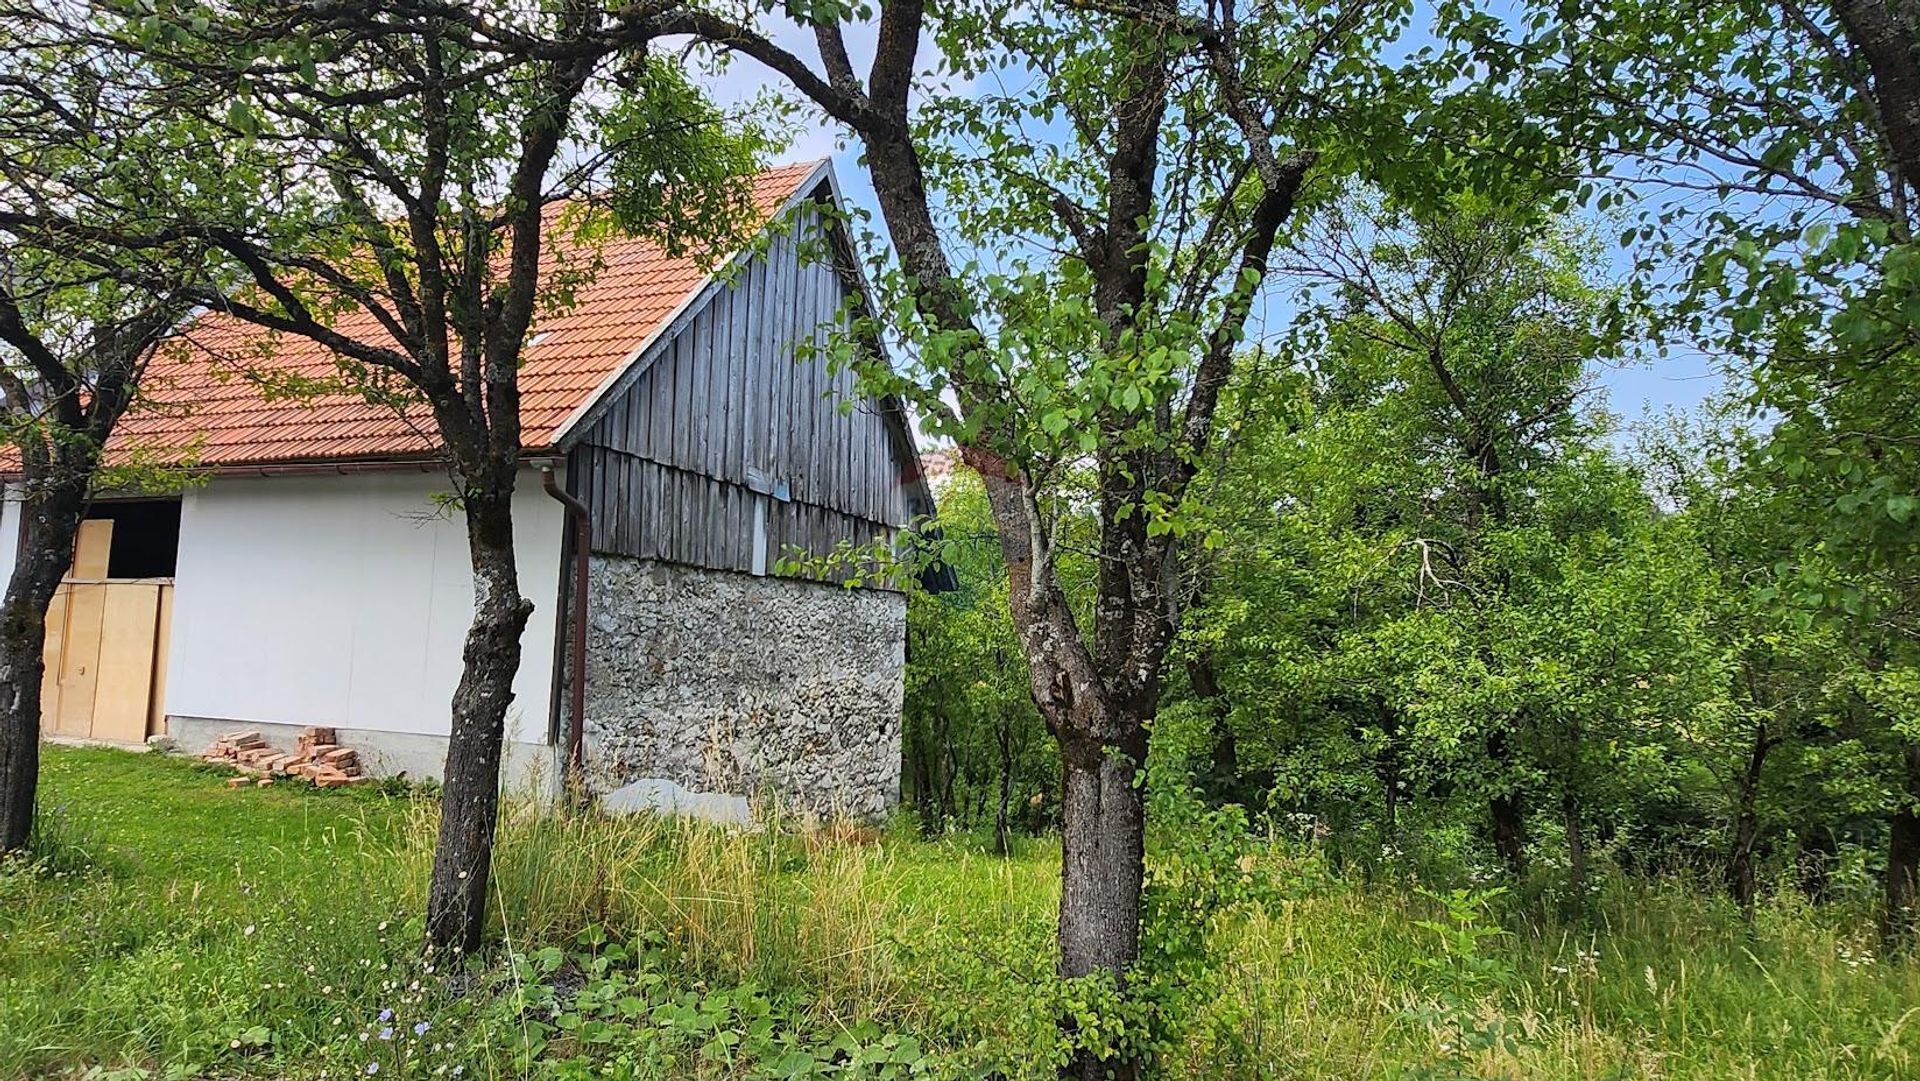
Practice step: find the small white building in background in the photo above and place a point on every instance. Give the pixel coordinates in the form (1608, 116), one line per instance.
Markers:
(317, 577)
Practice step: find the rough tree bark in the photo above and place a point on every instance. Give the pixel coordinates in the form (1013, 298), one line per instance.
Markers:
(53, 517)
(1096, 692)
(62, 408)
(469, 802)
(1741, 884)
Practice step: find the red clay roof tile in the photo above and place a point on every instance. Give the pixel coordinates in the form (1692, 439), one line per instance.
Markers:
(200, 399)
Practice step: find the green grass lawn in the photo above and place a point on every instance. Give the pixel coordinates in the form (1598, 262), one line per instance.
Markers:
(181, 929)
(176, 912)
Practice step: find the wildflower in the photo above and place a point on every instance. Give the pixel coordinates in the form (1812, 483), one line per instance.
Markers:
(372, 1068)
(421, 1029)
(458, 1070)
(386, 1015)
(387, 1033)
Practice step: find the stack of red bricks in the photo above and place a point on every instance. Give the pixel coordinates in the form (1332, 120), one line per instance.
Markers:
(316, 756)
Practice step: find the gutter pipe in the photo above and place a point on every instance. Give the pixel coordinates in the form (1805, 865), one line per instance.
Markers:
(576, 620)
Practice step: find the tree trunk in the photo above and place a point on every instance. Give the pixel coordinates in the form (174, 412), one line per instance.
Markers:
(1746, 826)
(1576, 850)
(1903, 858)
(1223, 775)
(46, 551)
(920, 765)
(1389, 771)
(1509, 831)
(1103, 840)
(470, 796)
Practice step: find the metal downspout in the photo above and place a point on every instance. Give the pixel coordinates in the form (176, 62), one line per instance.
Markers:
(577, 623)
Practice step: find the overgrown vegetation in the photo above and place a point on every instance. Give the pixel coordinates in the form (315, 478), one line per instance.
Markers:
(1344, 691)
(180, 929)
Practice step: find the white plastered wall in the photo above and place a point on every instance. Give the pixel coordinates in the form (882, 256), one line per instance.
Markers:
(9, 531)
(344, 601)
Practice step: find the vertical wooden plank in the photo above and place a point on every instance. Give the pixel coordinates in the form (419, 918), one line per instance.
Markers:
(686, 397)
(91, 548)
(831, 424)
(768, 373)
(709, 406)
(730, 525)
(659, 401)
(689, 517)
(80, 658)
(619, 422)
(640, 422)
(705, 516)
(666, 523)
(649, 541)
(623, 537)
(123, 687)
(797, 429)
(729, 417)
(742, 374)
(603, 497)
(746, 322)
(774, 355)
(53, 657)
(647, 537)
(874, 481)
(797, 356)
(760, 455)
(718, 391)
(162, 646)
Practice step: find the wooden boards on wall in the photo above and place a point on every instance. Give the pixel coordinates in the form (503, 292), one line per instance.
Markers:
(106, 649)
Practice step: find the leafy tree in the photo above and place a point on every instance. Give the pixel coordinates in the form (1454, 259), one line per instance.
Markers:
(1786, 134)
(1479, 331)
(1075, 304)
(973, 737)
(406, 166)
(74, 340)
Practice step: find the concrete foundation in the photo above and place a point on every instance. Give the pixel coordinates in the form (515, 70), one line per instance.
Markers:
(527, 768)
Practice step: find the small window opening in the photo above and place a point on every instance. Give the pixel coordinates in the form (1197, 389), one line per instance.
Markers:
(146, 536)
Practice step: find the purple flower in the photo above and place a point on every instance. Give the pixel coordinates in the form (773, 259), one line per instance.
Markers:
(386, 1033)
(421, 1029)
(372, 1068)
(386, 1015)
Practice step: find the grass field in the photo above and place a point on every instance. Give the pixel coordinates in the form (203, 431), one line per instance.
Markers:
(177, 929)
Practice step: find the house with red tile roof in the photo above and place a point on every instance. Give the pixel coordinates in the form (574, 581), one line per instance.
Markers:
(318, 579)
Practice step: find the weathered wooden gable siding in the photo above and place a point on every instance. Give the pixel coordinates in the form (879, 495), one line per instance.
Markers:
(723, 428)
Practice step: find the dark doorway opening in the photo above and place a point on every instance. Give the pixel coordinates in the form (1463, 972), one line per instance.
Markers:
(146, 536)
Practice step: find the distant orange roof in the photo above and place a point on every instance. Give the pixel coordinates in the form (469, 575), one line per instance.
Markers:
(197, 397)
